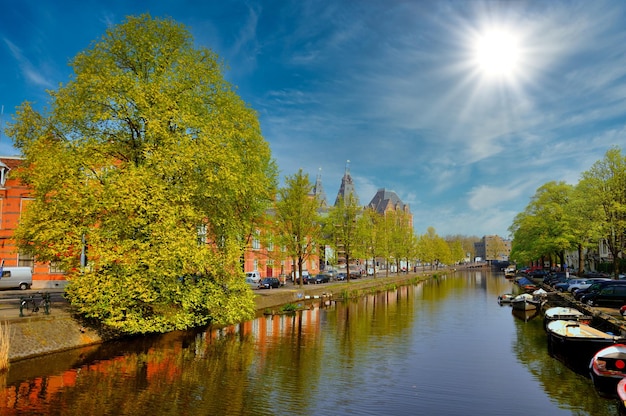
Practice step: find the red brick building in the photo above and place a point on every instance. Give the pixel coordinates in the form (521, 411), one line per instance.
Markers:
(14, 199)
(260, 255)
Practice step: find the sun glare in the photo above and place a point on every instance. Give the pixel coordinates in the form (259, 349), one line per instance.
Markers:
(497, 53)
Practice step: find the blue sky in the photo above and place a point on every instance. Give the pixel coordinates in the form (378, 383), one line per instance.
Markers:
(404, 90)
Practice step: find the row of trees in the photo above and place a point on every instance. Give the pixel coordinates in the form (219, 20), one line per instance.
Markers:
(562, 217)
(352, 231)
(149, 158)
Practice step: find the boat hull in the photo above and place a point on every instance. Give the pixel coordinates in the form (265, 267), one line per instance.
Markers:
(525, 315)
(575, 343)
(525, 302)
(607, 368)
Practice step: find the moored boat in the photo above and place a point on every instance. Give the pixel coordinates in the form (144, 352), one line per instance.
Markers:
(525, 315)
(524, 302)
(575, 343)
(526, 284)
(510, 271)
(527, 302)
(607, 368)
(564, 313)
(506, 298)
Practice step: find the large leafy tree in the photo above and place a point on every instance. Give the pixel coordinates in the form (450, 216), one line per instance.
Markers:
(605, 187)
(433, 249)
(545, 228)
(298, 225)
(586, 224)
(341, 229)
(371, 236)
(149, 155)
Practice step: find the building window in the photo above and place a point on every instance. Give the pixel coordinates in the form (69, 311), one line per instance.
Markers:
(4, 173)
(256, 242)
(25, 260)
(55, 267)
(202, 240)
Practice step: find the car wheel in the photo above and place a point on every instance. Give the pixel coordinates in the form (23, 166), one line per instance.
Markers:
(589, 302)
(23, 286)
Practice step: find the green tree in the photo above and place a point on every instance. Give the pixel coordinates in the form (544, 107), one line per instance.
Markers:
(456, 250)
(150, 155)
(402, 237)
(340, 229)
(298, 224)
(605, 187)
(546, 226)
(369, 236)
(433, 249)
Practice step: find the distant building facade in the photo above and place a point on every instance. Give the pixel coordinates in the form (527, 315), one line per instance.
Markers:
(386, 201)
(493, 248)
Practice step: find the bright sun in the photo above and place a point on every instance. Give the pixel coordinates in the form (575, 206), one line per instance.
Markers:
(497, 53)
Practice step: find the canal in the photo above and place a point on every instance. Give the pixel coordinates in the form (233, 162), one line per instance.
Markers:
(441, 347)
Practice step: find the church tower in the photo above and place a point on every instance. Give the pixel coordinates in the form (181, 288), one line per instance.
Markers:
(347, 186)
(318, 190)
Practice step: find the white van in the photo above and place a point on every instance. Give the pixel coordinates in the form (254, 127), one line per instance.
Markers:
(16, 277)
(255, 276)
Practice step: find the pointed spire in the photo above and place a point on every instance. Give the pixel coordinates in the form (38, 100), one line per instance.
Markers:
(347, 186)
(318, 189)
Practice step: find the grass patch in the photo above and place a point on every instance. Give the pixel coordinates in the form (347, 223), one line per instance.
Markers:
(5, 344)
(290, 307)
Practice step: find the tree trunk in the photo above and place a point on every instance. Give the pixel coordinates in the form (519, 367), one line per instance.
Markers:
(581, 260)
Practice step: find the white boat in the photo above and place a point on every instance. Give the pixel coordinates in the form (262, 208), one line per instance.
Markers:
(607, 368)
(564, 313)
(506, 298)
(525, 302)
(576, 343)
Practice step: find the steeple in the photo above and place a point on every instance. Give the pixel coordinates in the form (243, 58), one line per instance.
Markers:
(318, 190)
(347, 186)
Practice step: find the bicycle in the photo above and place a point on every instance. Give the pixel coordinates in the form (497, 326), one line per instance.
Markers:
(33, 304)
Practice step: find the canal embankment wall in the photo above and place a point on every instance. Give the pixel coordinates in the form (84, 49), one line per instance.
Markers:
(60, 330)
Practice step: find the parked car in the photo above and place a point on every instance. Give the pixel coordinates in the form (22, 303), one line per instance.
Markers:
(306, 279)
(611, 294)
(252, 283)
(564, 286)
(594, 287)
(584, 284)
(269, 283)
(596, 274)
(320, 278)
(341, 276)
(16, 277)
(538, 274)
(256, 276)
(558, 277)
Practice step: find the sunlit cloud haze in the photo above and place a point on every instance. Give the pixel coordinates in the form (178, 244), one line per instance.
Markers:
(398, 88)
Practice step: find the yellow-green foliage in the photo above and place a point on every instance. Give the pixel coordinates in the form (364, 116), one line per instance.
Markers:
(149, 154)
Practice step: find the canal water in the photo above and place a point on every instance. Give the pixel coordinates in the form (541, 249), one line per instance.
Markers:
(441, 347)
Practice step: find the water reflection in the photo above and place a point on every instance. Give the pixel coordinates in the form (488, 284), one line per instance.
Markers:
(441, 347)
